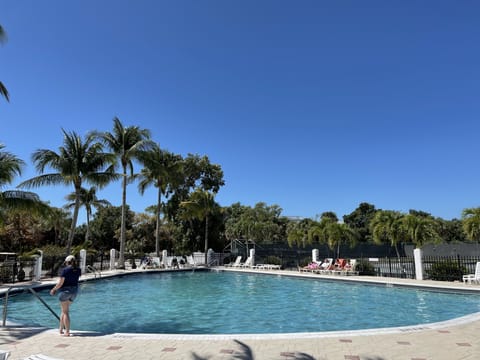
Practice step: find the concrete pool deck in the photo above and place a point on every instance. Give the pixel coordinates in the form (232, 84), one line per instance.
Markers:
(455, 339)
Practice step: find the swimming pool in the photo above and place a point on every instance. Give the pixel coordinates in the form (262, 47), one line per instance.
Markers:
(239, 303)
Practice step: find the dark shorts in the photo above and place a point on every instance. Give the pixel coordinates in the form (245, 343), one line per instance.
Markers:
(68, 293)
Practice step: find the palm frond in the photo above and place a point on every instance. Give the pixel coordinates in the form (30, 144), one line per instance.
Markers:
(45, 179)
(4, 92)
(10, 166)
(3, 35)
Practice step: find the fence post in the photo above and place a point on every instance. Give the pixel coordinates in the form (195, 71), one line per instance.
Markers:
(38, 266)
(315, 255)
(83, 260)
(101, 261)
(112, 259)
(417, 254)
(164, 258)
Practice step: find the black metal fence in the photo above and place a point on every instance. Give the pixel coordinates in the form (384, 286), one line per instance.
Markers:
(453, 267)
(403, 267)
(52, 265)
(448, 268)
(14, 271)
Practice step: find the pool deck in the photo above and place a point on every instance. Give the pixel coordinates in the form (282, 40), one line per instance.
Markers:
(452, 340)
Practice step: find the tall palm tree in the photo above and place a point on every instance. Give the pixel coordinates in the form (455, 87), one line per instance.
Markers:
(200, 206)
(125, 143)
(10, 167)
(3, 89)
(76, 162)
(298, 232)
(388, 225)
(58, 220)
(88, 199)
(421, 229)
(471, 223)
(332, 233)
(337, 234)
(162, 169)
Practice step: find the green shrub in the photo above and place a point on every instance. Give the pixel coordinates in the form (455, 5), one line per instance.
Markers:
(21, 274)
(446, 271)
(304, 262)
(365, 268)
(273, 260)
(6, 273)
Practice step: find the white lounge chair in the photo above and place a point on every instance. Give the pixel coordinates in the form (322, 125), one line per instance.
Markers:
(236, 263)
(271, 266)
(473, 278)
(247, 263)
(191, 261)
(40, 357)
(350, 267)
(325, 266)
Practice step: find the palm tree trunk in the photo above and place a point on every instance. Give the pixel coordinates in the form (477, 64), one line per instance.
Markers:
(87, 233)
(157, 227)
(74, 222)
(206, 239)
(121, 260)
(396, 250)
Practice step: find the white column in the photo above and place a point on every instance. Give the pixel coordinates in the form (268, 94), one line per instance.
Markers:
(315, 255)
(164, 258)
(83, 260)
(210, 257)
(113, 255)
(417, 255)
(252, 255)
(38, 266)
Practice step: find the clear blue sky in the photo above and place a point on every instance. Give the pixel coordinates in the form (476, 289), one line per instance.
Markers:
(311, 105)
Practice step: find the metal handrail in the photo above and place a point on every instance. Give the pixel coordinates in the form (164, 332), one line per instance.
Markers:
(93, 270)
(5, 304)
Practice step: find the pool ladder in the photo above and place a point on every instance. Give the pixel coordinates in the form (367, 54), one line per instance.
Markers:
(5, 303)
(91, 269)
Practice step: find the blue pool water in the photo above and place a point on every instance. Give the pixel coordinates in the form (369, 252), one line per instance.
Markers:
(233, 303)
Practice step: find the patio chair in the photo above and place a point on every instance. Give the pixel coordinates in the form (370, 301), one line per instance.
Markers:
(325, 267)
(236, 263)
(191, 261)
(339, 267)
(311, 267)
(350, 267)
(247, 263)
(473, 278)
(40, 357)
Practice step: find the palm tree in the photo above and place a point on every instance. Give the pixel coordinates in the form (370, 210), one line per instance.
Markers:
(200, 206)
(10, 167)
(162, 169)
(471, 223)
(88, 199)
(332, 233)
(3, 89)
(298, 232)
(421, 229)
(76, 162)
(125, 143)
(388, 225)
(338, 233)
(58, 220)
